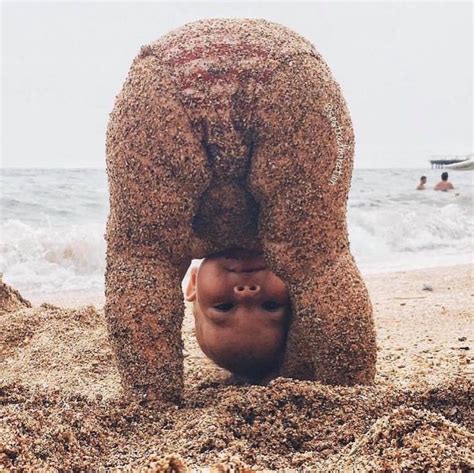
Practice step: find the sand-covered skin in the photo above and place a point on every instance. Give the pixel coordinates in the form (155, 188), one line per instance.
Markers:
(232, 133)
(62, 406)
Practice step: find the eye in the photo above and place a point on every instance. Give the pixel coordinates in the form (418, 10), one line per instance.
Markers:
(225, 307)
(271, 306)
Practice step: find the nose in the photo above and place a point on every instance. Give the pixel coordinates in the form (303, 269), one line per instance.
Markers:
(243, 291)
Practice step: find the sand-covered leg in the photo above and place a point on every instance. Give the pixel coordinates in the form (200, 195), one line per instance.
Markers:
(300, 176)
(144, 314)
(332, 336)
(157, 171)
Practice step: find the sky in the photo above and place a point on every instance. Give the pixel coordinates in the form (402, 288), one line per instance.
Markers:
(405, 70)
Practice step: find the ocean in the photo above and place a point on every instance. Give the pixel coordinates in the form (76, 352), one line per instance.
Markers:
(53, 225)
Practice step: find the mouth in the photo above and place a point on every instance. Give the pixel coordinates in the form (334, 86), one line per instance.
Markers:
(245, 263)
(246, 268)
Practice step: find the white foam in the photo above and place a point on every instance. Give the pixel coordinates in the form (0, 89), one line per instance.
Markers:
(52, 258)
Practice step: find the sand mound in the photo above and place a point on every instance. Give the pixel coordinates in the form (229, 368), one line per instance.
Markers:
(62, 409)
(414, 440)
(52, 347)
(10, 299)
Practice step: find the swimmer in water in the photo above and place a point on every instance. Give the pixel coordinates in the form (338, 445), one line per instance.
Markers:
(444, 185)
(421, 185)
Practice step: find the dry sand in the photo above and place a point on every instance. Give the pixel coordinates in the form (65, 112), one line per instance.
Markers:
(62, 410)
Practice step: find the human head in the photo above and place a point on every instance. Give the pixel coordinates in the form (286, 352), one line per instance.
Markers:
(444, 176)
(423, 179)
(241, 312)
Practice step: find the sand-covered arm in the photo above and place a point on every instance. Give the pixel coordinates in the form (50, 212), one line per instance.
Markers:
(144, 311)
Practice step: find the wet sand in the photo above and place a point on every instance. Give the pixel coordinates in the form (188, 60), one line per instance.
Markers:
(62, 407)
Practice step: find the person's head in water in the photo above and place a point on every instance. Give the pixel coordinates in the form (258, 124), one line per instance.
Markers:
(444, 185)
(241, 312)
(421, 185)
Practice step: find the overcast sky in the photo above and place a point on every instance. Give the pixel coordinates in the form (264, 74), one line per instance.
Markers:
(405, 70)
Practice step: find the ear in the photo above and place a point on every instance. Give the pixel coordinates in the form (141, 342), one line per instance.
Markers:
(190, 292)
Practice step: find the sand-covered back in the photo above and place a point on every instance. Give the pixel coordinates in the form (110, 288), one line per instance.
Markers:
(61, 405)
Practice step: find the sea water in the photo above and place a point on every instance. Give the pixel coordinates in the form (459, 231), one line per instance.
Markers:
(53, 223)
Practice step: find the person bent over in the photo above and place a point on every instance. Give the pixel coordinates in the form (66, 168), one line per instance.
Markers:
(231, 141)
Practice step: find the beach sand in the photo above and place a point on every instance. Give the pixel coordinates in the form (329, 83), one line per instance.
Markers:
(62, 407)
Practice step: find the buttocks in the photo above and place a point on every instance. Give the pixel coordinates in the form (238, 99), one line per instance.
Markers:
(219, 72)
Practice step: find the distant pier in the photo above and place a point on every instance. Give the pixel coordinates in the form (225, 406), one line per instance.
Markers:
(443, 160)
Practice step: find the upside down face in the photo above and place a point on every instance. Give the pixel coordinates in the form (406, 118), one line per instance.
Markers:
(241, 311)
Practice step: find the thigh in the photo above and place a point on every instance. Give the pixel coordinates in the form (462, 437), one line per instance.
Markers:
(156, 165)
